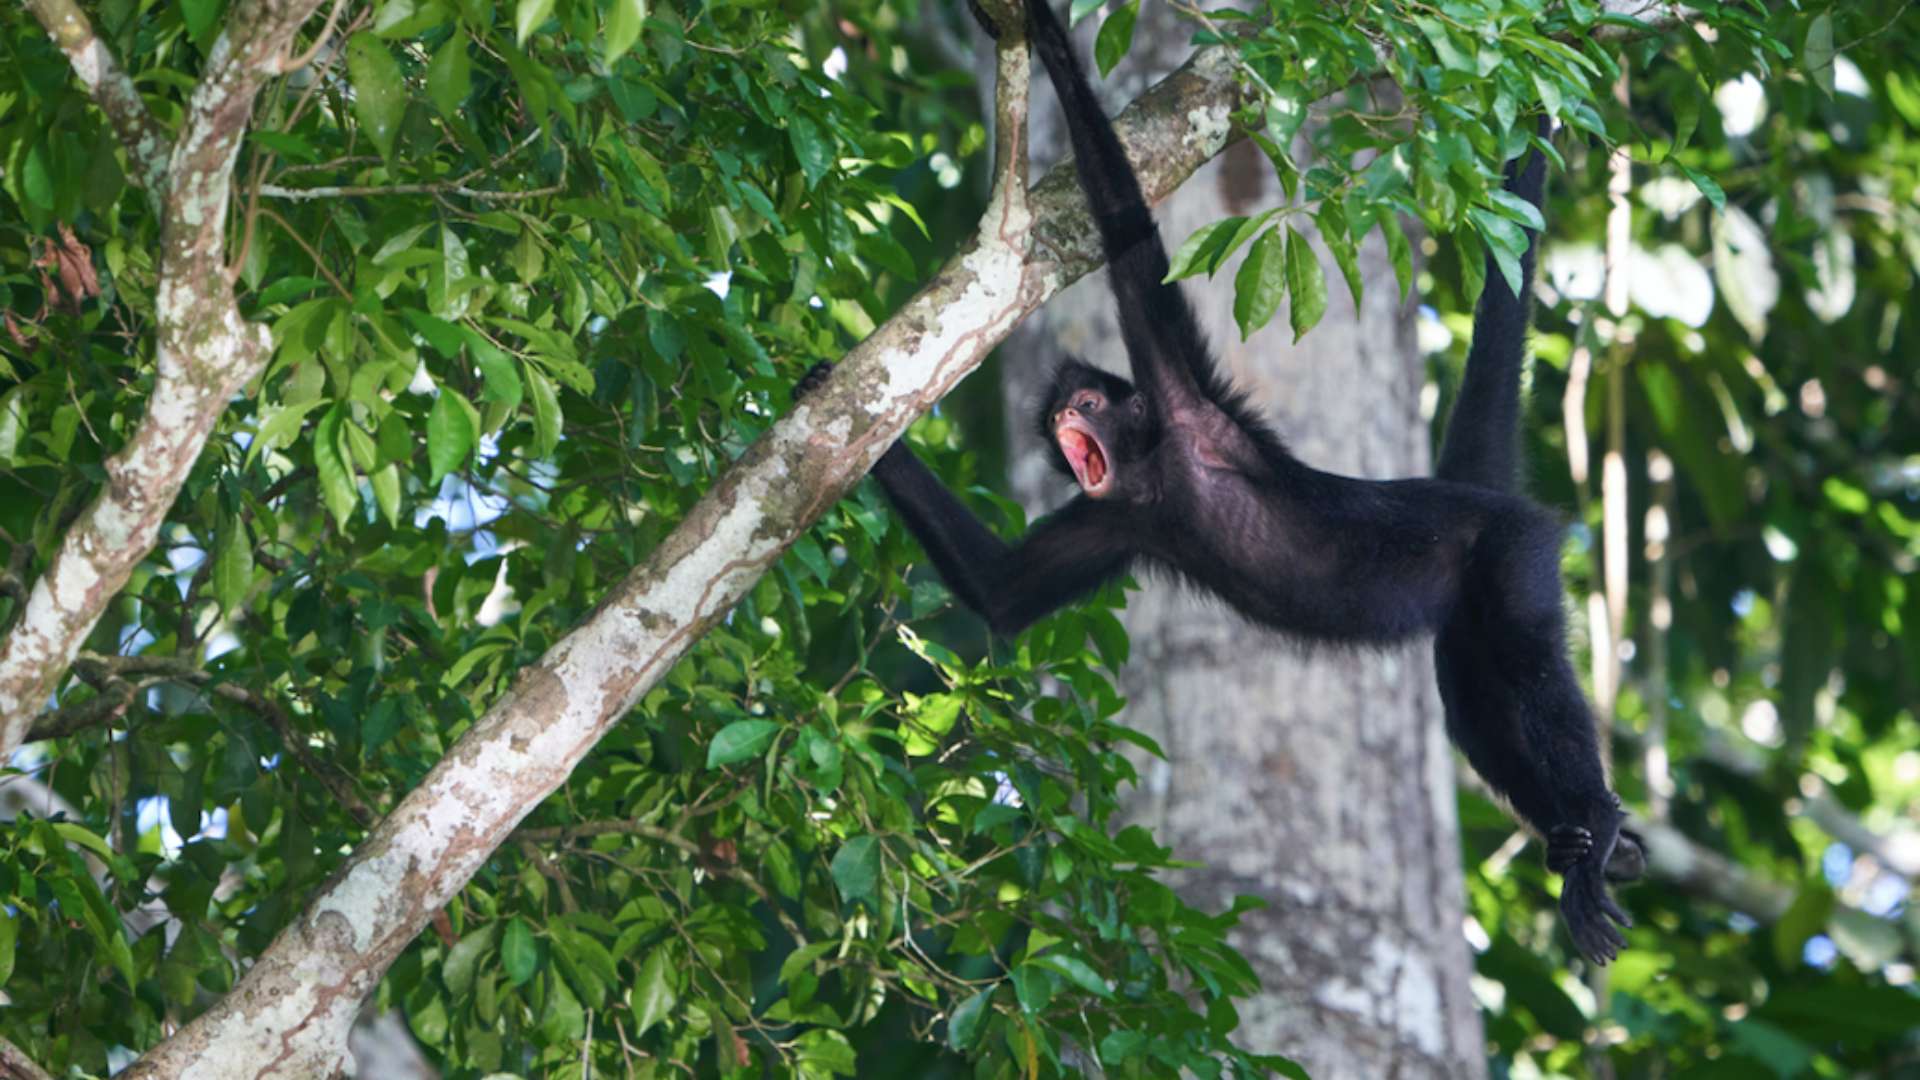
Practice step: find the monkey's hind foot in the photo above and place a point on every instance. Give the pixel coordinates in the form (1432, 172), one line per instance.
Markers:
(986, 22)
(811, 381)
(1567, 847)
(1582, 859)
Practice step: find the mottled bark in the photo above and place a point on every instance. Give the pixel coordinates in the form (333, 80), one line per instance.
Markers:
(290, 1014)
(1320, 784)
(204, 351)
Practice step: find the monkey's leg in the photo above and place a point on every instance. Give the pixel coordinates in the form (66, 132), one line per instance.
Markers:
(1515, 708)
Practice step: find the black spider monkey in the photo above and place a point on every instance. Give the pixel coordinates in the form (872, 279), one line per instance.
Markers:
(1175, 471)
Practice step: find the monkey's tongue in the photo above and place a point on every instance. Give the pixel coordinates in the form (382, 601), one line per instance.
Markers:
(1083, 455)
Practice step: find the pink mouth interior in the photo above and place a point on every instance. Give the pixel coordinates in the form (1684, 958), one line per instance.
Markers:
(1083, 456)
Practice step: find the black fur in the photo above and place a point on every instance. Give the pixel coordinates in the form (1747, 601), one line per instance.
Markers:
(1195, 483)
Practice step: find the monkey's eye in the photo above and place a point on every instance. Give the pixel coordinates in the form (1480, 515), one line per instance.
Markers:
(1087, 402)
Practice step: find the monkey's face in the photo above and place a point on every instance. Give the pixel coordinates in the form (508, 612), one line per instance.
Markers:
(1096, 423)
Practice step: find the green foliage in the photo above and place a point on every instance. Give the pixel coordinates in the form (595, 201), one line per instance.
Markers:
(1419, 108)
(1766, 380)
(536, 274)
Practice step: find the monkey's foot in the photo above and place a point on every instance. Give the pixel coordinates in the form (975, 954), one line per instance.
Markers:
(811, 381)
(1629, 861)
(986, 21)
(1582, 858)
(1567, 847)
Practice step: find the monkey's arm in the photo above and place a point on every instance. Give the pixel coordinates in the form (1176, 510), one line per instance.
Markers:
(1064, 556)
(1482, 444)
(1164, 344)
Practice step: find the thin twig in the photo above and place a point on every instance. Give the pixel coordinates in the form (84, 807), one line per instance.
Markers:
(308, 248)
(16, 1065)
(275, 191)
(1883, 28)
(292, 64)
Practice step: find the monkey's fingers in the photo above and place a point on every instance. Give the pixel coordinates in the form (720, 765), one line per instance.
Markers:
(1567, 847)
(1613, 909)
(1587, 908)
(811, 381)
(986, 22)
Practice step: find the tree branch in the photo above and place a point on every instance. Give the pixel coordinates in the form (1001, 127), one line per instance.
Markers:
(291, 1011)
(16, 1065)
(146, 141)
(111, 675)
(204, 351)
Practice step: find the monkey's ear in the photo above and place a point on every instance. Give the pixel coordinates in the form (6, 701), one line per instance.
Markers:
(1137, 403)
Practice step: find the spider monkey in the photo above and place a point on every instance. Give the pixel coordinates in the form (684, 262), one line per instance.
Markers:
(1177, 472)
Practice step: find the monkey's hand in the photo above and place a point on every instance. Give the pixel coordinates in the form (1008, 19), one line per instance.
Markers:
(1629, 862)
(1582, 857)
(985, 20)
(811, 381)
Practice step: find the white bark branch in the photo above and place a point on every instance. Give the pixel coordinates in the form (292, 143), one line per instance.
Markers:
(290, 1014)
(204, 352)
(107, 83)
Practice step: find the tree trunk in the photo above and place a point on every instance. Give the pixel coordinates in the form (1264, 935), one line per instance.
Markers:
(1320, 784)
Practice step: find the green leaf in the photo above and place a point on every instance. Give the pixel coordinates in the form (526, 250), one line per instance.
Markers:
(84, 837)
(496, 367)
(400, 19)
(1806, 917)
(200, 16)
(337, 487)
(1444, 47)
(450, 434)
(1549, 91)
(1034, 986)
(1707, 185)
(653, 995)
(450, 76)
(1286, 110)
(1518, 209)
(825, 1052)
(1505, 242)
(740, 740)
(1115, 38)
(232, 564)
(1686, 117)
(1332, 222)
(811, 146)
(1819, 52)
(585, 962)
(623, 28)
(527, 17)
(1204, 249)
(802, 958)
(386, 492)
(379, 92)
(1398, 251)
(36, 180)
(1078, 972)
(856, 869)
(1120, 1045)
(1260, 284)
(519, 956)
(546, 412)
(9, 934)
(279, 427)
(1473, 268)
(462, 961)
(1306, 282)
(963, 1027)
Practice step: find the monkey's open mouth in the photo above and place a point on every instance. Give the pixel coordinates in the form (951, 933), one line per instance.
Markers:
(1084, 454)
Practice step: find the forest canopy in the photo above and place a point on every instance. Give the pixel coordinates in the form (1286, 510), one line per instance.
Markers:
(417, 589)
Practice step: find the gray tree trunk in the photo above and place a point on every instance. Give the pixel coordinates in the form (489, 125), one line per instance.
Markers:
(1321, 784)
